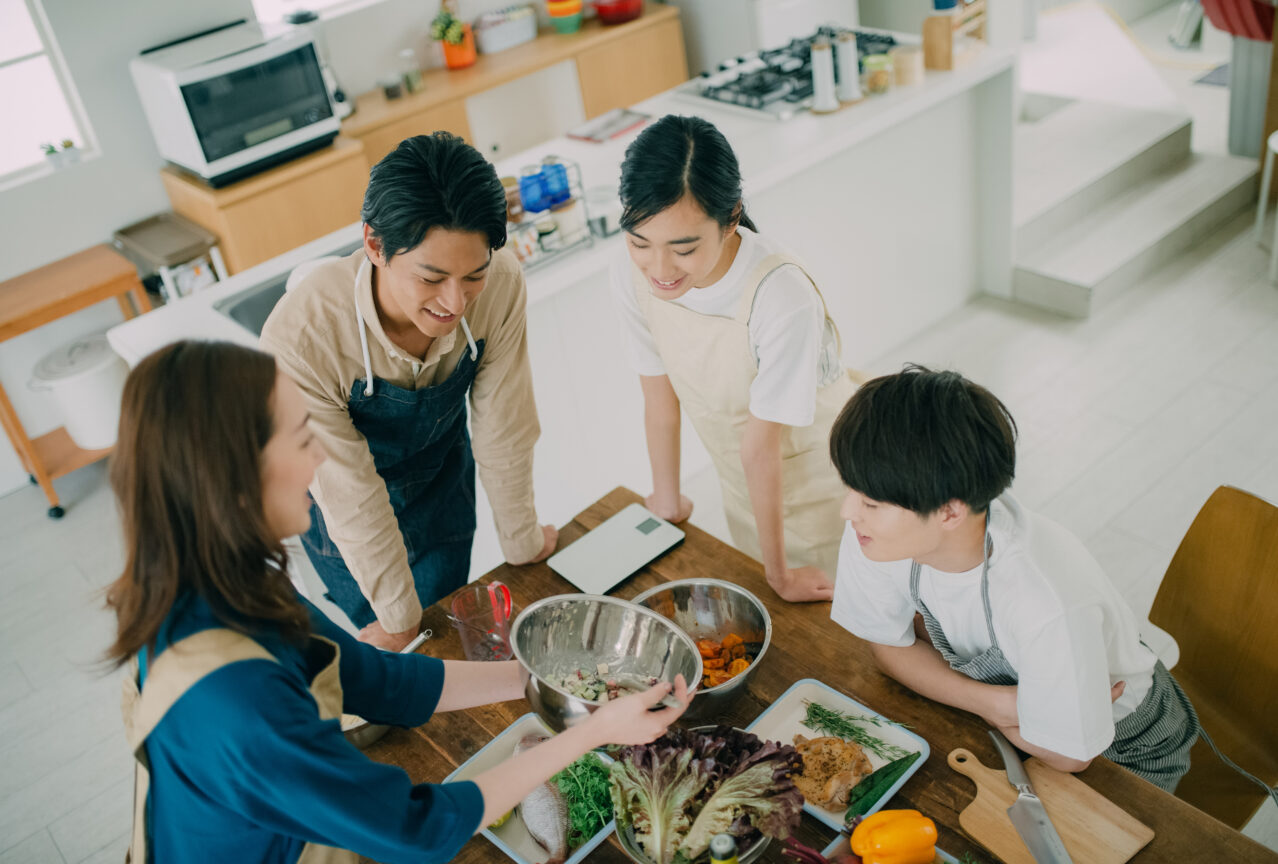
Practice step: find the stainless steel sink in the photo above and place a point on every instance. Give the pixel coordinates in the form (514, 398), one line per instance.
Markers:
(251, 307)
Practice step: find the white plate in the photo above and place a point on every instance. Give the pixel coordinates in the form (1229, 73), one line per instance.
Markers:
(513, 837)
(783, 719)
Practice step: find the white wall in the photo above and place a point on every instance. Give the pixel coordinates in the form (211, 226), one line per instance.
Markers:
(54, 216)
(81, 205)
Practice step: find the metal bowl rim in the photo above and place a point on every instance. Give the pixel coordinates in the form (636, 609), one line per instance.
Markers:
(636, 854)
(721, 583)
(617, 601)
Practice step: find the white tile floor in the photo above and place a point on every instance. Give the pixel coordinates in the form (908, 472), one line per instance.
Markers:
(1128, 421)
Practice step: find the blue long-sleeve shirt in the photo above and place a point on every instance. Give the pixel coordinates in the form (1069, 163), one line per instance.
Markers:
(243, 769)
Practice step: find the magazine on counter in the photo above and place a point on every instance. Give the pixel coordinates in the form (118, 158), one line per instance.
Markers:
(616, 122)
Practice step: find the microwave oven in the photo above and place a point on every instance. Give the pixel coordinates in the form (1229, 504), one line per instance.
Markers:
(227, 103)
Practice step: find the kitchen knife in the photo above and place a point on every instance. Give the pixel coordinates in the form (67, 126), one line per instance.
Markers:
(1027, 814)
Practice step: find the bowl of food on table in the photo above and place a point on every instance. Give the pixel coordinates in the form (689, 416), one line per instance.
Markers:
(672, 797)
(583, 650)
(730, 626)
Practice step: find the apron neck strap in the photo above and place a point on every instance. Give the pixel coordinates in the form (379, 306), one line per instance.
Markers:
(363, 329)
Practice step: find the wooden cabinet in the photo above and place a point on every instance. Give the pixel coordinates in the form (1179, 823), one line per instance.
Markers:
(446, 116)
(617, 66)
(627, 71)
(278, 210)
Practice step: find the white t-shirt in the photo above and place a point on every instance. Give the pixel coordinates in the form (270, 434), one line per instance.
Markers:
(1058, 619)
(794, 349)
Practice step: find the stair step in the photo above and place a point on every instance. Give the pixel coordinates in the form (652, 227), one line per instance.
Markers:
(1069, 157)
(1133, 233)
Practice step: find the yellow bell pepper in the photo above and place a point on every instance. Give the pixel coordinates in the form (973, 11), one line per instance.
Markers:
(895, 837)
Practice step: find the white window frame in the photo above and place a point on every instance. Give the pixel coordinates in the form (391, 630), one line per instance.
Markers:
(49, 48)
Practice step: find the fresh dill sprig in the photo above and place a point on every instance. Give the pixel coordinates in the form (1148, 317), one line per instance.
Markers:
(851, 727)
(584, 785)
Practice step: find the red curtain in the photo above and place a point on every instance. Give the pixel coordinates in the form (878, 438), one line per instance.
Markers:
(1248, 18)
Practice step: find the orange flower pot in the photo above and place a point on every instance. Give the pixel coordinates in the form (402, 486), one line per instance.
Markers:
(463, 55)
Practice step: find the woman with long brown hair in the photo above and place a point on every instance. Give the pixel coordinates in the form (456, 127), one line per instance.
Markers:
(236, 682)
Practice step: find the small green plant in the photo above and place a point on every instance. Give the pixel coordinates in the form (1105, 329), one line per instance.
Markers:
(48, 149)
(447, 27)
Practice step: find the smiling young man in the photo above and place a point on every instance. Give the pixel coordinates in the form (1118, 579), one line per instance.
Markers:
(970, 599)
(387, 345)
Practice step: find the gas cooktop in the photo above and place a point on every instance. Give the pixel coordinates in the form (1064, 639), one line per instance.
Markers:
(776, 83)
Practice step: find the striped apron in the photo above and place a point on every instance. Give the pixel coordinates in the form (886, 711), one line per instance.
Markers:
(1152, 742)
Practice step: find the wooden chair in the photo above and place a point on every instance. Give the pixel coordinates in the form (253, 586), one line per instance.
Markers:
(1219, 599)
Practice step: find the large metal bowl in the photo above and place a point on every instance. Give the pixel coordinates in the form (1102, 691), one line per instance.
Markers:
(557, 636)
(711, 609)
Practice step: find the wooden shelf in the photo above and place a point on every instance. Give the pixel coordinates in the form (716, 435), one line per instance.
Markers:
(439, 86)
(60, 455)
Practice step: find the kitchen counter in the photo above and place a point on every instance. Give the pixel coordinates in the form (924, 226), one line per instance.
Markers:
(772, 155)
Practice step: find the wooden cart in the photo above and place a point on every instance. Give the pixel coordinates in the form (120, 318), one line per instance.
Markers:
(47, 294)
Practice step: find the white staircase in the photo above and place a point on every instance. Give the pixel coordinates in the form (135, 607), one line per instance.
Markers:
(1105, 194)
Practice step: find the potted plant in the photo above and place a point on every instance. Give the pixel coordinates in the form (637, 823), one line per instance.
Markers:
(65, 154)
(455, 35)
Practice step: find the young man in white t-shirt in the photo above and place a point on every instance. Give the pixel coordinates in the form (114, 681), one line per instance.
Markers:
(972, 600)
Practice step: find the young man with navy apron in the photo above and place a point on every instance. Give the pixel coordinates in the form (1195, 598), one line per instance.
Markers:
(971, 599)
(387, 344)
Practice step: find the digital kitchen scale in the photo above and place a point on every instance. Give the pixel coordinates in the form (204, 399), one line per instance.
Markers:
(618, 548)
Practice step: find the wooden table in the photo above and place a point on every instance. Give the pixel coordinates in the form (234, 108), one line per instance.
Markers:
(47, 294)
(806, 643)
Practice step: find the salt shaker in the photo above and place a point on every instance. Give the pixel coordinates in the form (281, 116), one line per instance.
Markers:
(849, 68)
(824, 99)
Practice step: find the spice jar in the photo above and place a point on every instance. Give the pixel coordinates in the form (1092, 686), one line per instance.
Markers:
(570, 216)
(409, 70)
(524, 238)
(548, 234)
(878, 73)
(514, 204)
(532, 189)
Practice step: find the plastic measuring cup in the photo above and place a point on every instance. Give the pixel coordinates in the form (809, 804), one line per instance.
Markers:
(481, 614)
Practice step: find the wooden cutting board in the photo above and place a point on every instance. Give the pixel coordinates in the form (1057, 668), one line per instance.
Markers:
(1095, 829)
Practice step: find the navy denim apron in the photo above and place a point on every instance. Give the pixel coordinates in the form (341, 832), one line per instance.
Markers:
(421, 448)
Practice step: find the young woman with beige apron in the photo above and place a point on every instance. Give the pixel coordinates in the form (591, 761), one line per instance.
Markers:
(710, 364)
(686, 232)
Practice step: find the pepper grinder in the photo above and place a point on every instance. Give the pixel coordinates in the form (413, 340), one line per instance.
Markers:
(849, 69)
(824, 99)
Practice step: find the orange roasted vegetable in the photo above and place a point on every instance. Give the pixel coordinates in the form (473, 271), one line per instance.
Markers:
(713, 663)
(895, 837)
(732, 640)
(708, 648)
(736, 667)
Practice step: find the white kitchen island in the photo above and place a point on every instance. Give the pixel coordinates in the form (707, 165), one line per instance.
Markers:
(899, 206)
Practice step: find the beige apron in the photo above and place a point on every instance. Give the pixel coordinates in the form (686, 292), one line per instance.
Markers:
(711, 367)
(176, 670)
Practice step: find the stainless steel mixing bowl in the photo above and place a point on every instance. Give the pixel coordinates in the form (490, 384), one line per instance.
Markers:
(711, 609)
(558, 636)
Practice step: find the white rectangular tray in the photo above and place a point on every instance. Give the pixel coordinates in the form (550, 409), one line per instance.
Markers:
(513, 837)
(783, 719)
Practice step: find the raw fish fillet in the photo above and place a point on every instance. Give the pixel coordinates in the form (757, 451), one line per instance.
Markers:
(544, 811)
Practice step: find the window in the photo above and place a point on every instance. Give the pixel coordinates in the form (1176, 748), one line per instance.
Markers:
(36, 95)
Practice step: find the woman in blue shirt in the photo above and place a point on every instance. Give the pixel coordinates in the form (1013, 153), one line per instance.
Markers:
(237, 683)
